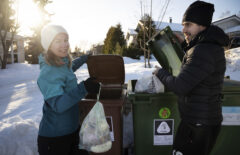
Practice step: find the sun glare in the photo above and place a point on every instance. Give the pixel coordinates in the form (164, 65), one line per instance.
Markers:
(28, 15)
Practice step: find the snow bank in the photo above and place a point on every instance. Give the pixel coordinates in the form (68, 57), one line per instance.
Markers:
(233, 63)
(18, 136)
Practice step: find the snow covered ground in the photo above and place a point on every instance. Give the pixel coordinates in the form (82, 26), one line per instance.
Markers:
(21, 101)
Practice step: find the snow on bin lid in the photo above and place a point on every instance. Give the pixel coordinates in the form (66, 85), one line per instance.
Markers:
(108, 69)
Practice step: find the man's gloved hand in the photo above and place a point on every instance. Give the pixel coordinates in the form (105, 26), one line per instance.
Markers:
(91, 85)
(157, 68)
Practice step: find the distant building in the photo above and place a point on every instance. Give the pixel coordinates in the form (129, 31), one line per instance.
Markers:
(16, 50)
(96, 49)
(230, 25)
(131, 36)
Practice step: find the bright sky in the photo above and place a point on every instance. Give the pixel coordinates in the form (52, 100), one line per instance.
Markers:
(87, 22)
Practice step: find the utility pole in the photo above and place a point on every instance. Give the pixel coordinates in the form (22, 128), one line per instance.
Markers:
(150, 32)
(144, 39)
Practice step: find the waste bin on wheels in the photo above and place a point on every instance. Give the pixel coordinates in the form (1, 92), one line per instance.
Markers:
(156, 116)
(229, 136)
(166, 49)
(155, 120)
(109, 70)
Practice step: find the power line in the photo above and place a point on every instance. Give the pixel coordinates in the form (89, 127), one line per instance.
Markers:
(163, 14)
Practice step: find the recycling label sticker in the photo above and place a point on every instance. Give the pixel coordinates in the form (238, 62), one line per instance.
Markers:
(164, 112)
(163, 131)
(231, 115)
(110, 123)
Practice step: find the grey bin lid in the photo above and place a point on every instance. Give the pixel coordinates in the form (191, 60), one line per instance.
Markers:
(167, 50)
(231, 86)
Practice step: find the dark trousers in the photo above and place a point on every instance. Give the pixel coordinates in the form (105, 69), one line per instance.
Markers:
(64, 145)
(195, 139)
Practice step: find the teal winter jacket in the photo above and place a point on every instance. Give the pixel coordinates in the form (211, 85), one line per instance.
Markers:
(61, 93)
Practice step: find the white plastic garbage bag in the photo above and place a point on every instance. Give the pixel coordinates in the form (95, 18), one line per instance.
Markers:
(149, 84)
(94, 133)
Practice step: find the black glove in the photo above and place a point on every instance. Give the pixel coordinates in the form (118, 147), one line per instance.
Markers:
(91, 85)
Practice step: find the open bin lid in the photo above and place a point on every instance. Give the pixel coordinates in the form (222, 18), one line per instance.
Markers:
(167, 50)
(231, 86)
(108, 69)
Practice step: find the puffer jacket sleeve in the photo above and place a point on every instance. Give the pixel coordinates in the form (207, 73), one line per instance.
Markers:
(78, 62)
(199, 64)
(51, 85)
(62, 103)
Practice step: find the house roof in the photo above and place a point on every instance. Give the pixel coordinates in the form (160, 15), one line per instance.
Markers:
(131, 32)
(16, 37)
(162, 25)
(159, 26)
(226, 19)
(173, 26)
(233, 29)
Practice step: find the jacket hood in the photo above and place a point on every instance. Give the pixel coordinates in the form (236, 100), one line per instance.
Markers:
(213, 34)
(42, 61)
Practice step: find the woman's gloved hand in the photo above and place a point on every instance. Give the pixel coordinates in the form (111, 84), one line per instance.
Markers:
(91, 85)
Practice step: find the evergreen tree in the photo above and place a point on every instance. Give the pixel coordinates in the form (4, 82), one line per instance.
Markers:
(108, 47)
(7, 24)
(118, 49)
(114, 36)
(120, 36)
(34, 42)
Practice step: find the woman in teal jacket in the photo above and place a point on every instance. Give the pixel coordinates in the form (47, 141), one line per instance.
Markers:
(58, 130)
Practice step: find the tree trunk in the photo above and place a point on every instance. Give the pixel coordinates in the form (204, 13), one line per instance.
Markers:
(5, 48)
(4, 61)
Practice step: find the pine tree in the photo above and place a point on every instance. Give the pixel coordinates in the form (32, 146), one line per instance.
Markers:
(108, 47)
(114, 36)
(7, 24)
(120, 36)
(34, 43)
(118, 49)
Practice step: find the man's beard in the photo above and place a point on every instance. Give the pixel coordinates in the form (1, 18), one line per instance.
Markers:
(188, 37)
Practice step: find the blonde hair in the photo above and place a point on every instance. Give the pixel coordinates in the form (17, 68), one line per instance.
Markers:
(53, 60)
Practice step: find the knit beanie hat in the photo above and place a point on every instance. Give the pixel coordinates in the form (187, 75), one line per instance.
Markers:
(48, 33)
(200, 13)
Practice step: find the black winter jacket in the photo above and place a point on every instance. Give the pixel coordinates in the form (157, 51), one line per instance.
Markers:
(199, 83)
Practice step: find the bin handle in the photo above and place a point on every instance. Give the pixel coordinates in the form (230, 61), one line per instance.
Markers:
(149, 101)
(98, 95)
(156, 98)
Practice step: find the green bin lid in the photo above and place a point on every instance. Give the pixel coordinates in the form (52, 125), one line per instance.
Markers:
(231, 86)
(167, 50)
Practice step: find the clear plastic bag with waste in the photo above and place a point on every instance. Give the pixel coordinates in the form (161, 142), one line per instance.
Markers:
(149, 84)
(95, 133)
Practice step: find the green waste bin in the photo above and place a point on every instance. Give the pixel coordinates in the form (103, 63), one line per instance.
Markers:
(229, 136)
(155, 120)
(169, 55)
(156, 116)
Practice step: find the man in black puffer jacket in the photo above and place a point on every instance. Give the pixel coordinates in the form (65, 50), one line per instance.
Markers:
(199, 83)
